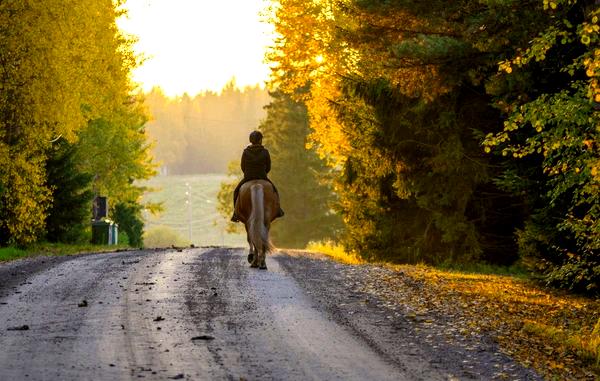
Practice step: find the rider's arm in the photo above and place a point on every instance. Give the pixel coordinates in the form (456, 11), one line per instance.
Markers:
(268, 164)
(243, 163)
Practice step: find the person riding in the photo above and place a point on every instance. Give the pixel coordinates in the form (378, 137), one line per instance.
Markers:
(256, 163)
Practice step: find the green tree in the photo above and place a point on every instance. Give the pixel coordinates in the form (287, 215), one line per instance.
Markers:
(299, 175)
(225, 196)
(548, 89)
(128, 215)
(70, 213)
(63, 63)
(116, 151)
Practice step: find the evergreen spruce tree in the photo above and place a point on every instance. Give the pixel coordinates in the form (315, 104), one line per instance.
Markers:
(70, 213)
(299, 175)
(128, 215)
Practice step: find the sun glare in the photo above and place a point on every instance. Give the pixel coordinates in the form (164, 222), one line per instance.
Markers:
(197, 45)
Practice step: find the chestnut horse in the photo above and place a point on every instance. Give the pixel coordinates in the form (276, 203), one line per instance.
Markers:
(257, 206)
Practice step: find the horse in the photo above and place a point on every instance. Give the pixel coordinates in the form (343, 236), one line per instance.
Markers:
(257, 206)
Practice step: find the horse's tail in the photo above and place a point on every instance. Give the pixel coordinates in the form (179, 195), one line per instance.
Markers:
(257, 230)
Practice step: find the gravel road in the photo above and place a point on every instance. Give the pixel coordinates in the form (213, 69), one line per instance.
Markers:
(202, 314)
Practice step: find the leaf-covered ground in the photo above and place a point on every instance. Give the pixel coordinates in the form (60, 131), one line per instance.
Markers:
(556, 334)
(551, 332)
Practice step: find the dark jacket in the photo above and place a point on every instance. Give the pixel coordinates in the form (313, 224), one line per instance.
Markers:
(256, 162)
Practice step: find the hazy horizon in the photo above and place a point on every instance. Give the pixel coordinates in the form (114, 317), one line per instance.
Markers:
(194, 46)
(202, 134)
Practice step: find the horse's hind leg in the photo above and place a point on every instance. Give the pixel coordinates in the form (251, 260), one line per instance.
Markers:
(262, 259)
(251, 253)
(265, 249)
(252, 249)
(255, 260)
(263, 263)
(254, 256)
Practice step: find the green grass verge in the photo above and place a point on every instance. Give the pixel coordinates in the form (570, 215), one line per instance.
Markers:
(585, 346)
(486, 269)
(54, 249)
(8, 253)
(337, 252)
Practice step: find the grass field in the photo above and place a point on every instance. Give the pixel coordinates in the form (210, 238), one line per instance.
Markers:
(54, 249)
(207, 225)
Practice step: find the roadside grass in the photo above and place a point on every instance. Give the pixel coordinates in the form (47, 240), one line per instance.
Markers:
(164, 236)
(334, 251)
(486, 268)
(337, 252)
(585, 346)
(54, 249)
(556, 333)
(10, 253)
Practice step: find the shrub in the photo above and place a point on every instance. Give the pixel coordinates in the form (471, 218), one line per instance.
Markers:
(163, 236)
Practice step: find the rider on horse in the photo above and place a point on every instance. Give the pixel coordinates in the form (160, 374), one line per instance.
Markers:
(256, 163)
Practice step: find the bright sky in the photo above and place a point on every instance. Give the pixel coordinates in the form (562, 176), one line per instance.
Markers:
(197, 45)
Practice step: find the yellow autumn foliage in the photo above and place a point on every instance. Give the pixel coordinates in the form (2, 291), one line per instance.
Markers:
(64, 63)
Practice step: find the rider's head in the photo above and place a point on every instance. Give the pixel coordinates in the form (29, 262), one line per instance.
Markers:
(256, 137)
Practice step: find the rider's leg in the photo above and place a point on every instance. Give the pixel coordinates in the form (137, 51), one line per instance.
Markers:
(280, 213)
(235, 217)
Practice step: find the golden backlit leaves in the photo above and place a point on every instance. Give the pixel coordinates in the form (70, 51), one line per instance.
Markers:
(306, 53)
(587, 33)
(592, 70)
(24, 205)
(316, 47)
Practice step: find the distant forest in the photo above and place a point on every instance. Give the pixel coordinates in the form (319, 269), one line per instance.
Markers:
(203, 133)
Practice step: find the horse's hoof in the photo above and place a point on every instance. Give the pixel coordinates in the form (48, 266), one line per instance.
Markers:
(263, 267)
(253, 266)
(250, 258)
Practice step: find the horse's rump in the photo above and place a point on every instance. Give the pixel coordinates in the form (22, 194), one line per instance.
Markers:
(243, 205)
(257, 228)
(256, 206)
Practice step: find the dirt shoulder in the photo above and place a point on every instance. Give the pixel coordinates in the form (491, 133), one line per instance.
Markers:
(472, 326)
(17, 271)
